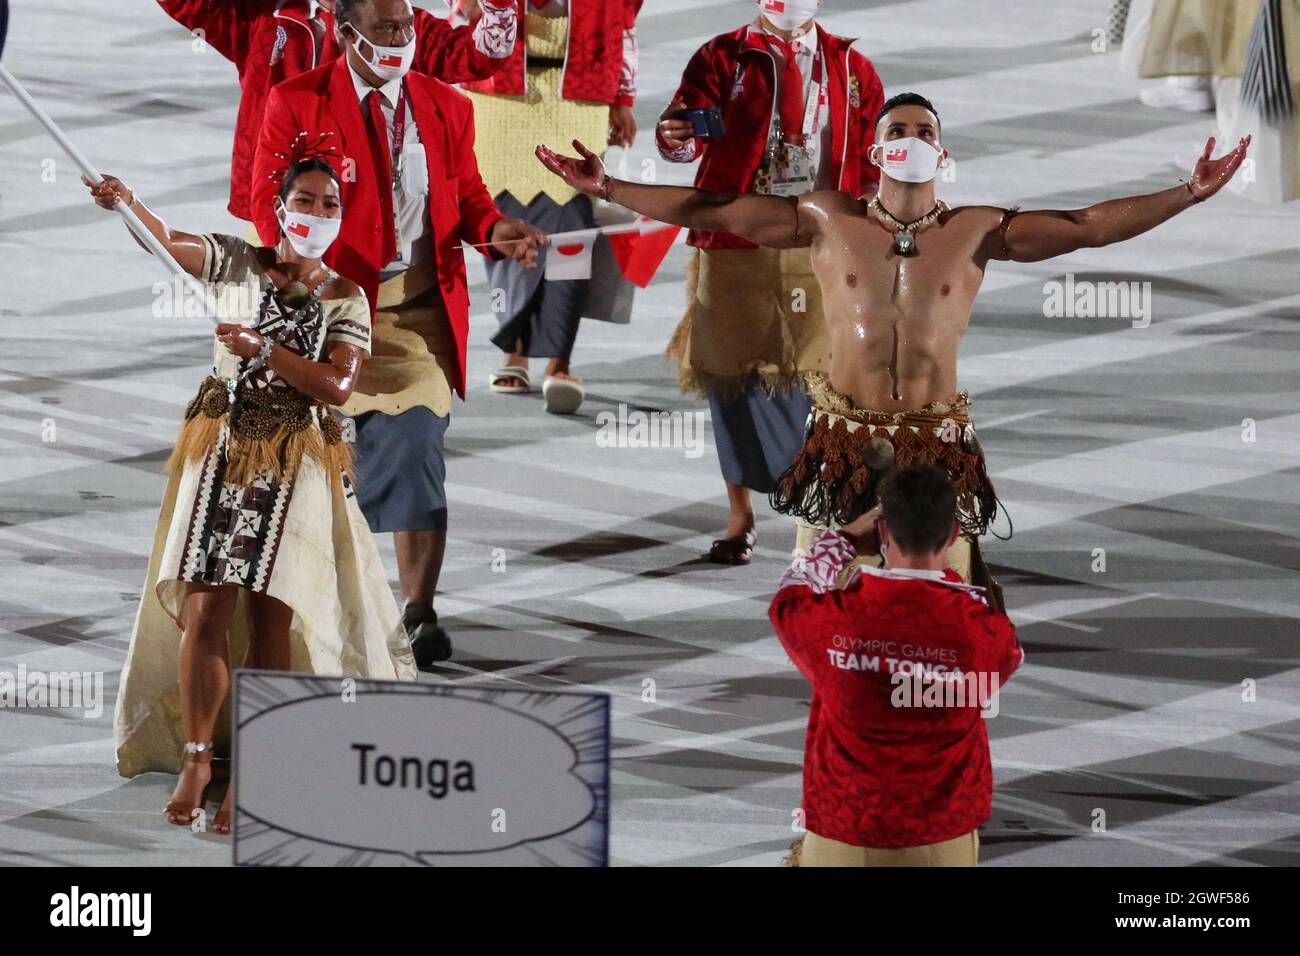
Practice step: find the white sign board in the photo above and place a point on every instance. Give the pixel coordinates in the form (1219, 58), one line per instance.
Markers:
(331, 771)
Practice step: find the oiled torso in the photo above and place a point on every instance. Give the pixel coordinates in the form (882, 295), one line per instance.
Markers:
(896, 322)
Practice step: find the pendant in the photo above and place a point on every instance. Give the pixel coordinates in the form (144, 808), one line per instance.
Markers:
(904, 243)
(294, 295)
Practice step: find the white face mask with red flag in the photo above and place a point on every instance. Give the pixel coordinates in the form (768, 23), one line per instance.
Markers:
(907, 160)
(788, 14)
(387, 62)
(310, 236)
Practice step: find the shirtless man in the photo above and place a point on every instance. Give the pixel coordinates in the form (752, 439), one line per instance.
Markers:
(898, 274)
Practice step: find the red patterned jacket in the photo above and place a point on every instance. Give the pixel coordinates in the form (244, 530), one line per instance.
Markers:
(879, 769)
(737, 74)
(600, 60)
(272, 40)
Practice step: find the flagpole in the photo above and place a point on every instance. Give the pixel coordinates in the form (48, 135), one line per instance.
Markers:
(138, 228)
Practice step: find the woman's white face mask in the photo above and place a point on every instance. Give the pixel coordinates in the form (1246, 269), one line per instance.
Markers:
(788, 14)
(908, 160)
(310, 236)
(387, 62)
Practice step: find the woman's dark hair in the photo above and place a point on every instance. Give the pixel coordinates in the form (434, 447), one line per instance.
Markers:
(309, 165)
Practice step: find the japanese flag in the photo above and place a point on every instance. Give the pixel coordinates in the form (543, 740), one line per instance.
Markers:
(569, 255)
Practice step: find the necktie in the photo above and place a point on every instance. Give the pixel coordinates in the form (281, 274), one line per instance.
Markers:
(383, 165)
(791, 90)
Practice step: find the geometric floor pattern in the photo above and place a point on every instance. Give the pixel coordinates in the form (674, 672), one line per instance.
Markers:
(1151, 470)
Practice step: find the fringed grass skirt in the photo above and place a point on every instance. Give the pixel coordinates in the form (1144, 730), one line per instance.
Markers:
(266, 505)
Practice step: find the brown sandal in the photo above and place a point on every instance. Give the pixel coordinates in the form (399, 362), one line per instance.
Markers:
(176, 813)
(733, 550)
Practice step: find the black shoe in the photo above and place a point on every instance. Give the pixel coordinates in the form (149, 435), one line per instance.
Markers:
(429, 642)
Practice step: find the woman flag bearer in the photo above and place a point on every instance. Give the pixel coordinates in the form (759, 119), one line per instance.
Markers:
(261, 557)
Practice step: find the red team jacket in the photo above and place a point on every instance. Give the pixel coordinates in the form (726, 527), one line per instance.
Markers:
(876, 774)
(272, 40)
(324, 100)
(737, 73)
(595, 64)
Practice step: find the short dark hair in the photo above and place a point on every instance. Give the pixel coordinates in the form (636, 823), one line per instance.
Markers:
(308, 165)
(919, 504)
(907, 99)
(343, 10)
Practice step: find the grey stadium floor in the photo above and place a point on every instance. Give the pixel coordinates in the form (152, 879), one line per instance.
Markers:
(1100, 435)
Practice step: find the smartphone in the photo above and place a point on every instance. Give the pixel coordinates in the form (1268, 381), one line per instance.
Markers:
(707, 122)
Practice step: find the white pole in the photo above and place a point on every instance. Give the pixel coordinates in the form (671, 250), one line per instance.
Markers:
(133, 222)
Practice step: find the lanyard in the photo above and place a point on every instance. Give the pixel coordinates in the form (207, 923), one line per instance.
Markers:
(399, 132)
(816, 99)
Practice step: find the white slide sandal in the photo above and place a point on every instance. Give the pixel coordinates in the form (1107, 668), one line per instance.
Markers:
(507, 372)
(563, 396)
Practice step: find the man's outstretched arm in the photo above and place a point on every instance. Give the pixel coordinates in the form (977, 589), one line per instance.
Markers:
(1042, 234)
(773, 221)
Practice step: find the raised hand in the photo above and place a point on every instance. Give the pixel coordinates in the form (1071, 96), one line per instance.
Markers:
(1211, 175)
(586, 174)
(109, 191)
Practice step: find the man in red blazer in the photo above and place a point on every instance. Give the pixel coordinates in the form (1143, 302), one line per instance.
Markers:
(798, 108)
(270, 41)
(404, 147)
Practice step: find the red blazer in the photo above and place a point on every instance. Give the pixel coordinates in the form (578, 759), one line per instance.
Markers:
(460, 209)
(593, 64)
(270, 41)
(738, 76)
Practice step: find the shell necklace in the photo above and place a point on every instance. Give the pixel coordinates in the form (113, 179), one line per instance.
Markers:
(905, 232)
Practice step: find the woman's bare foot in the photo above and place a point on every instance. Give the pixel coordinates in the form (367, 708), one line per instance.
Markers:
(221, 822)
(187, 798)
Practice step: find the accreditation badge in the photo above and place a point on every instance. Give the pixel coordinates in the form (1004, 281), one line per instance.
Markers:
(793, 173)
